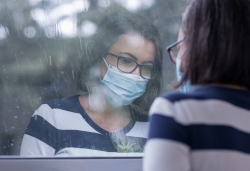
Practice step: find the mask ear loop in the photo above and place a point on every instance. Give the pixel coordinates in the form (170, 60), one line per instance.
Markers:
(105, 61)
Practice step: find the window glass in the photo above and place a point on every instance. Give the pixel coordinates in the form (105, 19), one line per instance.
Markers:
(45, 45)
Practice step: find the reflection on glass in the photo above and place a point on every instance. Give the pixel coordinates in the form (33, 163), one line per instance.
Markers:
(47, 45)
(110, 116)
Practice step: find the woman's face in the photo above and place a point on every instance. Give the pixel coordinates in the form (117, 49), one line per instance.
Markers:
(133, 46)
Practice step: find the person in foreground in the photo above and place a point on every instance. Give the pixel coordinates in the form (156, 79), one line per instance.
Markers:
(120, 76)
(208, 128)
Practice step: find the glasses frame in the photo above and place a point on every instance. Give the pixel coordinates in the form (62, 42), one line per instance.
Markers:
(137, 65)
(170, 47)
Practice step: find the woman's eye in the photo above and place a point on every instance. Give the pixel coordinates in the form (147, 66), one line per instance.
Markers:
(147, 68)
(126, 61)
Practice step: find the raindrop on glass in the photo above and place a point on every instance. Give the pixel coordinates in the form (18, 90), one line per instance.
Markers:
(50, 62)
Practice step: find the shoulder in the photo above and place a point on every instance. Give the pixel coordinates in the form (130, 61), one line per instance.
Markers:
(208, 94)
(171, 99)
(68, 104)
(177, 104)
(52, 108)
(174, 97)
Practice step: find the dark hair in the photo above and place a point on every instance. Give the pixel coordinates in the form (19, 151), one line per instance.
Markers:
(217, 36)
(111, 27)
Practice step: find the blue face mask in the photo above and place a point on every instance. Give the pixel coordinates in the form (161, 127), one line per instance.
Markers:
(121, 89)
(186, 86)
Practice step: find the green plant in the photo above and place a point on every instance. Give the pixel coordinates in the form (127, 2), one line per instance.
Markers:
(126, 146)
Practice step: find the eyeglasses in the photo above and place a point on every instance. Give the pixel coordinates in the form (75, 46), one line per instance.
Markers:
(173, 51)
(128, 65)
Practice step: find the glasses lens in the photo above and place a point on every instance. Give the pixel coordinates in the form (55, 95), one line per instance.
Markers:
(148, 71)
(126, 64)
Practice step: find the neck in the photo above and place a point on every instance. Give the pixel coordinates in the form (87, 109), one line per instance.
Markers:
(104, 116)
(96, 104)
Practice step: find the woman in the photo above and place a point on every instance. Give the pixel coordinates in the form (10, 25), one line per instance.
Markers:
(206, 129)
(120, 80)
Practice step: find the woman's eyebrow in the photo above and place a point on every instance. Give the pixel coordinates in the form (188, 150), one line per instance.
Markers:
(134, 57)
(129, 54)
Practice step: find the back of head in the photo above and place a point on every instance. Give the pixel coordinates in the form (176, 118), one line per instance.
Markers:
(217, 35)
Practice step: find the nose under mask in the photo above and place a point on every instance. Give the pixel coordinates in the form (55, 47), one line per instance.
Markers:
(121, 89)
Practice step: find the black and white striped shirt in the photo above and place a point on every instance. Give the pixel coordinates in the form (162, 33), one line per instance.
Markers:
(205, 130)
(63, 128)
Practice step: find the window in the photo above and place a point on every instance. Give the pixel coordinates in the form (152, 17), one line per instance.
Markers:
(43, 45)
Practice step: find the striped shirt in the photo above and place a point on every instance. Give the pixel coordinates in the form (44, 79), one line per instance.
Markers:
(63, 128)
(205, 130)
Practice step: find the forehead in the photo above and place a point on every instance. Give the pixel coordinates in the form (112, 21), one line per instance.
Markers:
(136, 45)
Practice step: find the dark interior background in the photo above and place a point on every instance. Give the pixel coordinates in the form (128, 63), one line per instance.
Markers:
(41, 42)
